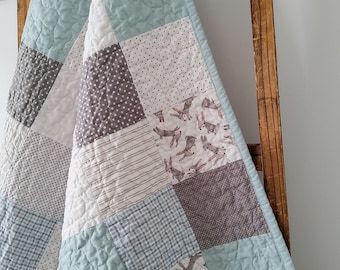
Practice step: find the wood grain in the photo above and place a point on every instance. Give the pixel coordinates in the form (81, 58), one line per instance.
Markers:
(23, 6)
(269, 110)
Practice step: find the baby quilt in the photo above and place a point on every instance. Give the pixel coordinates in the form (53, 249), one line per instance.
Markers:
(121, 151)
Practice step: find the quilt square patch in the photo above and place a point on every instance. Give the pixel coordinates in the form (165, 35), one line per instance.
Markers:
(33, 79)
(194, 262)
(108, 99)
(52, 26)
(221, 205)
(193, 137)
(134, 17)
(90, 249)
(34, 170)
(166, 65)
(112, 174)
(23, 237)
(153, 234)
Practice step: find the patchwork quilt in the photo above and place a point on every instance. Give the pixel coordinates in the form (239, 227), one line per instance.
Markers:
(121, 150)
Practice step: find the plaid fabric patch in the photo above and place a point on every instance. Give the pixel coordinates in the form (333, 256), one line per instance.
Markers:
(23, 237)
(153, 234)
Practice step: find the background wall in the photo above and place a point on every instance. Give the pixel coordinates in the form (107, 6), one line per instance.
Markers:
(308, 44)
(309, 68)
(8, 51)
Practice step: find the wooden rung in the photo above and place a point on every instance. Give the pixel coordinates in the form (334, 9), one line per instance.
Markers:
(256, 154)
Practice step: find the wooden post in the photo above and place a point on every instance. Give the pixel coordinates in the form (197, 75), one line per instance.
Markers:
(269, 110)
(22, 13)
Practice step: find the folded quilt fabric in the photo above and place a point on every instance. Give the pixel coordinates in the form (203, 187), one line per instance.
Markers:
(121, 150)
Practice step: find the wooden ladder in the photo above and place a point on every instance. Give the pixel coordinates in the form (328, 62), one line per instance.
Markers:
(268, 155)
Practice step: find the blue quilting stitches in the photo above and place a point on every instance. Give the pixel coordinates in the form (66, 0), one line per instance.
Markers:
(52, 26)
(134, 17)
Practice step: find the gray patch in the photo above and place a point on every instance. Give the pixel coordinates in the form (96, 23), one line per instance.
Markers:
(34, 170)
(221, 205)
(108, 100)
(33, 79)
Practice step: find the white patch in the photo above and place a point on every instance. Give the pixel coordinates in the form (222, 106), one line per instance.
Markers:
(99, 31)
(56, 118)
(111, 174)
(166, 65)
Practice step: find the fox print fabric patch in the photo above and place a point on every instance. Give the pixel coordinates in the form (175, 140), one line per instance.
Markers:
(193, 137)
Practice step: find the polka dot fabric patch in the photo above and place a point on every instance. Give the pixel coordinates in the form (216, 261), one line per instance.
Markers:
(34, 76)
(108, 98)
(166, 65)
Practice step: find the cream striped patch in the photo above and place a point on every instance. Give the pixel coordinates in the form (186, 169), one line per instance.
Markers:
(111, 174)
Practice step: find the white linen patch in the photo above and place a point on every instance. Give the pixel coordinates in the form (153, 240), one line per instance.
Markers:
(166, 65)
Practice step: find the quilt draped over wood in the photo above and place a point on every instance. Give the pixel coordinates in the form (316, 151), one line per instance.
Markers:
(121, 150)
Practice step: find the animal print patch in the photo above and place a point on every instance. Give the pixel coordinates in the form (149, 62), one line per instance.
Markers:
(193, 137)
(194, 262)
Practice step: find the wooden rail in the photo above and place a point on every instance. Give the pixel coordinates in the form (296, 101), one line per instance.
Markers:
(269, 110)
(268, 155)
(22, 13)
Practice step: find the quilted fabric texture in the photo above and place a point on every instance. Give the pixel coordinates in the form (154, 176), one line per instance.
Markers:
(121, 151)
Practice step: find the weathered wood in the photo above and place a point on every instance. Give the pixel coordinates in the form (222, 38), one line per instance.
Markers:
(22, 13)
(256, 154)
(269, 110)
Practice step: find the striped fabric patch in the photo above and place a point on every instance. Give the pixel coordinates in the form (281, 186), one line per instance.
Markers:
(153, 234)
(23, 237)
(34, 76)
(111, 174)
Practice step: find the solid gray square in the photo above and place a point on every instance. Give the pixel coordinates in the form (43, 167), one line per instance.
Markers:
(221, 205)
(34, 76)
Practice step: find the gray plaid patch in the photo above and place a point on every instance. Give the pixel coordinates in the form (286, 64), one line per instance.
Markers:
(221, 205)
(108, 99)
(33, 79)
(23, 237)
(153, 234)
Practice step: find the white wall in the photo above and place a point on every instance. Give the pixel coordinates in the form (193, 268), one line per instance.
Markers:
(8, 50)
(227, 25)
(308, 42)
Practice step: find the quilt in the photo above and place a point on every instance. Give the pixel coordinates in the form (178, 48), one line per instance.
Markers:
(121, 150)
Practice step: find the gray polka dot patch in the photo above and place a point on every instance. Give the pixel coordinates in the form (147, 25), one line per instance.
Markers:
(34, 76)
(108, 100)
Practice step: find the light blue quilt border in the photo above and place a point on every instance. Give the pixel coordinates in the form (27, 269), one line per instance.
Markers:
(226, 106)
